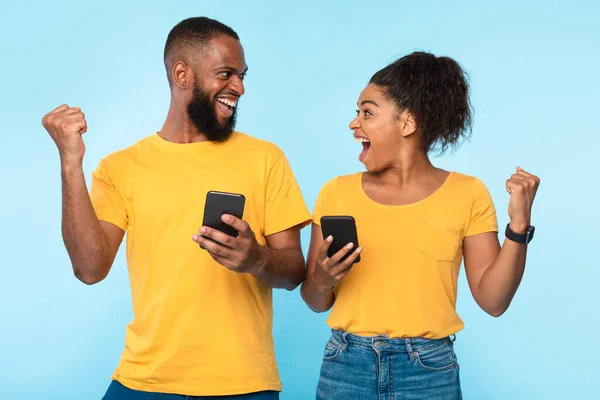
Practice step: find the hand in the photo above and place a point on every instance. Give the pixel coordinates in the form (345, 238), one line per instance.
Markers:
(66, 125)
(522, 187)
(240, 254)
(329, 271)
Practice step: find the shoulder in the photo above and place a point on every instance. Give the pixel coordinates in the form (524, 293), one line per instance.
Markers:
(119, 159)
(254, 145)
(465, 182)
(342, 183)
(470, 189)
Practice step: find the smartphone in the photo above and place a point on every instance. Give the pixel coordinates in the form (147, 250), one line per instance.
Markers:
(219, 203)
(343, 230)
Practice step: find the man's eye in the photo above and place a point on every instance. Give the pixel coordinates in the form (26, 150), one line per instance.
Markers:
(225, 74)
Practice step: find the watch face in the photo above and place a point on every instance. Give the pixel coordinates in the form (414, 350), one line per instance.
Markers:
(529, 234)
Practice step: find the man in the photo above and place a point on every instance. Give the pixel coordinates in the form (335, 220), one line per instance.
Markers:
(202, 308)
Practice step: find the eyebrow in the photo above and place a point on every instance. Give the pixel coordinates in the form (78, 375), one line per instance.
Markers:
(231, 69)
(369, 102)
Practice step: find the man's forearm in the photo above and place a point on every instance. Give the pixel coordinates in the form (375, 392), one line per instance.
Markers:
(280, 268)
(81, 230)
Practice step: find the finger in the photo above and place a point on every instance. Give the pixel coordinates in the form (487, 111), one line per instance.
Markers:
(84, 129)
(72, 124)
(71, 115)
(218, 236)
(211, 246)
(214, 247)
(76, 116)
(519, 178)
(344, 267)
(196, 239)
(76, 123)
(514, 185)
(72, 110)
(60, 108)
(510, 185)
(239, 225)
(324, 248)
(522, 172)
(524, 181)
(340, 254)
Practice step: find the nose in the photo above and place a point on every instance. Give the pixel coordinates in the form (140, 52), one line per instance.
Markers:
(237, 84)
(354, 124)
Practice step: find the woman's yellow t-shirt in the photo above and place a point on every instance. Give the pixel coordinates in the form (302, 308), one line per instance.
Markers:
(406, 282)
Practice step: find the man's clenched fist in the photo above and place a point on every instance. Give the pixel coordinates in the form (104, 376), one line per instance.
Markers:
(66, 125)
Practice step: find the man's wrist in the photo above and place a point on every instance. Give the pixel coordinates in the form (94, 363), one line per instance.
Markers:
(68, 166)
(261, 260)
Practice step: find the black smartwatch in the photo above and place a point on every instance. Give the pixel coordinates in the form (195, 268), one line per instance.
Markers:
(520, 237)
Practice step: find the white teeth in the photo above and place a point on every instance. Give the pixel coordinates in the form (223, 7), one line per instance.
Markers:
(228, 102)
(362, 140)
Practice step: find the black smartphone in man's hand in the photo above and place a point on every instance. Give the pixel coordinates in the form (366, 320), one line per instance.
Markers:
(343, 230)
(219, 203)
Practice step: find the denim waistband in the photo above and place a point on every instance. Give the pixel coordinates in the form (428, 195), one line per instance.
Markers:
(385, 343)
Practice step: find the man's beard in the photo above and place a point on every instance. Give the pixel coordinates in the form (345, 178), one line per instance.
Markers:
(202, 113)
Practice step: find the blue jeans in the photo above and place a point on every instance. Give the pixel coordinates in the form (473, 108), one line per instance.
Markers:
(117, 391)
(380, 368)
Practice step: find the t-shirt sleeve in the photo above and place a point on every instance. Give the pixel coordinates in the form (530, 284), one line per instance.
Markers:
(106, 199)
(483, 213)
(285, 206)
(323, 203)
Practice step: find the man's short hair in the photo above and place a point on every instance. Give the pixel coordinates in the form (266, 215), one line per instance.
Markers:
(190, 37)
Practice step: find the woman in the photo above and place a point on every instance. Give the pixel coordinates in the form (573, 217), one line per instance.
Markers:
(394, 315)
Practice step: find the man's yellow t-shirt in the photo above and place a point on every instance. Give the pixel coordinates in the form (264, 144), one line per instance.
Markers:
(198, 328)
(406, 282)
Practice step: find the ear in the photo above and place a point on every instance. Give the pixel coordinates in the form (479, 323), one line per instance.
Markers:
(408, 123)
(183, 76)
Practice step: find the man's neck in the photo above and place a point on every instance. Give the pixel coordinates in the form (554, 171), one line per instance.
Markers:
(178, 129)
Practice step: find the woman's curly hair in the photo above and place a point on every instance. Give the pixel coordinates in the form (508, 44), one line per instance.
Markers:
(436, 91)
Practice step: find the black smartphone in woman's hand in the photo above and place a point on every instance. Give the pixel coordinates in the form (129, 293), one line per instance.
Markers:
(343, 230)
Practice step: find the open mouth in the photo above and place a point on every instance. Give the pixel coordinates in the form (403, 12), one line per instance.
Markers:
(225, 106)
(366, 144)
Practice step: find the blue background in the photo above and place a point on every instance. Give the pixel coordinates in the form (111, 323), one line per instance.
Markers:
(536, 89)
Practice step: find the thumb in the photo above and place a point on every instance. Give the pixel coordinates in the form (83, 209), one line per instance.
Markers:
(509, 186)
